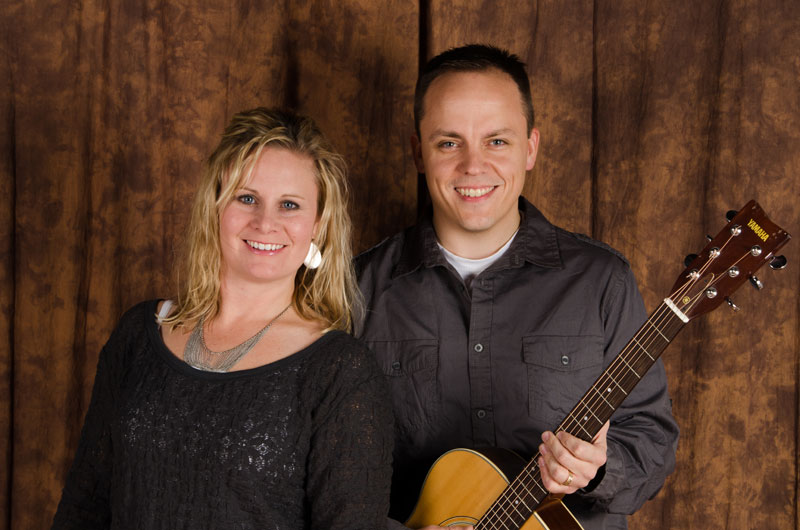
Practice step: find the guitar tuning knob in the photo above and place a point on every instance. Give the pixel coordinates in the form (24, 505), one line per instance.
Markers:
(709, 238)
(733, 306)
(756, 283)
(778, 263)
(689, 259)
(730, 215)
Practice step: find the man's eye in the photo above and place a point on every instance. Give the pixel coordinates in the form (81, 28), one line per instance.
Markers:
(447, 144)
(498, 141)
(289, 205)
(246, 199)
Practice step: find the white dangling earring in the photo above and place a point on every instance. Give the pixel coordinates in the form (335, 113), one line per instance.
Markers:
(314, 257)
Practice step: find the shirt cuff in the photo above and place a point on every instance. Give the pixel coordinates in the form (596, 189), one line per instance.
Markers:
(602, 488)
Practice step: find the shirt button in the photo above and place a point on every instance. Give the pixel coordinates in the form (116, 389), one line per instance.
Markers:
(565, 360)
(481, 414)
(478, 347)
(396, 365)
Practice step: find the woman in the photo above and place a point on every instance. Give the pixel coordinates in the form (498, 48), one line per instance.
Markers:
(244, 404)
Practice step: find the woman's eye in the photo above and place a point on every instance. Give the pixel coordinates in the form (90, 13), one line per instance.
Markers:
(246, 199)
(289, 205)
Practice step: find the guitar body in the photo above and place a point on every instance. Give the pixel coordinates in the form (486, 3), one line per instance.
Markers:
(463, 484)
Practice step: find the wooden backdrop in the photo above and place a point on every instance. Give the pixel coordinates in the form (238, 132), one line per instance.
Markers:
(656, 117)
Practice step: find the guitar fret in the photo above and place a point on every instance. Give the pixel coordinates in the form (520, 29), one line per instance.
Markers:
(658, 330)
(593, 414)
(586, 418)
(531, 472)
(643, 349)
(514, 504)
(584, 430)
(519, 500)
(522, 500)
(543, 490)
(603, 397)
(618, 385)
(520, 514)
(622, 358)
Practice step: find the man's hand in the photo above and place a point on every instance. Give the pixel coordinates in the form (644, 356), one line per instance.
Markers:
(568, 463)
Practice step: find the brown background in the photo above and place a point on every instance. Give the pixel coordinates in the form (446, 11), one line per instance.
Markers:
(656, 117)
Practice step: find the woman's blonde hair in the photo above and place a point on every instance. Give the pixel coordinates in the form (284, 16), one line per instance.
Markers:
(327, 293)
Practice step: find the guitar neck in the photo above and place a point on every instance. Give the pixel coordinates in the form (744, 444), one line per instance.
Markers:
(527, 491)
(624, 373)
(746, 243)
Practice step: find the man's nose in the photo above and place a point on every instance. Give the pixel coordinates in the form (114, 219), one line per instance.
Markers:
(472, 161)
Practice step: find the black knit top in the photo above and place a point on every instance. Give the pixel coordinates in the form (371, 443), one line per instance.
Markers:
(304, 442)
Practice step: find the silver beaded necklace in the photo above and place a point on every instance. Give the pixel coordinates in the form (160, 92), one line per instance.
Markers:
(198, 355)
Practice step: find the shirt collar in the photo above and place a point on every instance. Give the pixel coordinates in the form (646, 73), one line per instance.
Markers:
(536, 243)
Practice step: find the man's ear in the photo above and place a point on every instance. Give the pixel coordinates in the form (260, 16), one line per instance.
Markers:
(533, 148)
(416, 151)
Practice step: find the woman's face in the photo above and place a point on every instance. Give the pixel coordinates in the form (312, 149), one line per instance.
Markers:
(266, 229)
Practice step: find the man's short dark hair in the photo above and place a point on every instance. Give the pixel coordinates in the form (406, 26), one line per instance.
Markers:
(474, 58)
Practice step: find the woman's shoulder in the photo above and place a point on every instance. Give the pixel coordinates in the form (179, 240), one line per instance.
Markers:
(343, 370)
(134, 324)
(139, 314)
(344, 347)
(339, 353)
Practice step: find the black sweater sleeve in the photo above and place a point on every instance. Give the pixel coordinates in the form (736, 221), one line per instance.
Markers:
(349, 471)
(85, 501)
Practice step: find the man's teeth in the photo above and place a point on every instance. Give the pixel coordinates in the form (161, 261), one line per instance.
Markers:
(264, 246)
(474, 192)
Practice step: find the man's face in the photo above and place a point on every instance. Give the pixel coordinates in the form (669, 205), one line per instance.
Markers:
(474, 149)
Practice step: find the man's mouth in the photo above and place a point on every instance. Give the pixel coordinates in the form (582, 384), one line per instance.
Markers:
(474, 192)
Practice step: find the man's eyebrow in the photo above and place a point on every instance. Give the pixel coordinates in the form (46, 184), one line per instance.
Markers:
(501, 132)
(441, 132)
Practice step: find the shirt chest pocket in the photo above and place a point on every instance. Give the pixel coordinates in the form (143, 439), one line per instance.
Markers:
(560, 370)
(410, 367)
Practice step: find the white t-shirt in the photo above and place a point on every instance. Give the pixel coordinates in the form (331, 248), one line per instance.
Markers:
(469, 268)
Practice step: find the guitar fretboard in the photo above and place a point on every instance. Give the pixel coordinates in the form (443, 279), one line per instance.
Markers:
(519, 500)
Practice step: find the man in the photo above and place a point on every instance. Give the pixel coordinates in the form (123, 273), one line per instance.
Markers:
(490, 323)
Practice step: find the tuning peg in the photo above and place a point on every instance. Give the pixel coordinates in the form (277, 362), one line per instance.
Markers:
(778, 263)
(730, 215)
(689, 259)
(756, 283)
(730, 303)
(709, 238)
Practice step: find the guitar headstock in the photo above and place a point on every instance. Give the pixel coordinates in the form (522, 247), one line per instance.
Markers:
(747, 242)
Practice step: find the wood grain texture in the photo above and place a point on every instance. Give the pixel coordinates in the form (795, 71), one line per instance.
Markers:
(656, 117)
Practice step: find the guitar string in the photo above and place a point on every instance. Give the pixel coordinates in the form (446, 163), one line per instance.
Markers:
(660, 324)
(513, 495)
(508, 504)
(505, 504)
(570, 422)
(628, 371)
(657, 324)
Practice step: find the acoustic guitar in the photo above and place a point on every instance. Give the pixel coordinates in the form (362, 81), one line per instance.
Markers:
(497, 490)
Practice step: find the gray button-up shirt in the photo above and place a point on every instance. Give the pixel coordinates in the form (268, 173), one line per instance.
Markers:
(498, 363)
